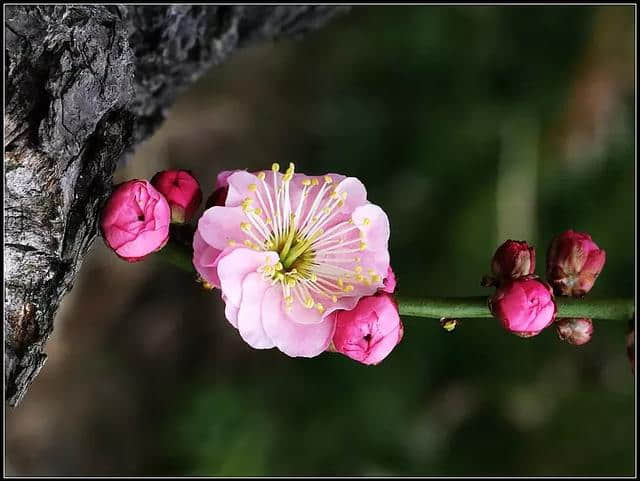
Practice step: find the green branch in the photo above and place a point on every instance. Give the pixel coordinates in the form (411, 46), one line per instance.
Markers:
(476, 307)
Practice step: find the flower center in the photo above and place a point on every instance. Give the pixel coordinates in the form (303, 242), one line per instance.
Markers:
(315, 241)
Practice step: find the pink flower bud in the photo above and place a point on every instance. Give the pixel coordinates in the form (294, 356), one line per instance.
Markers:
(219, 195)
(576, 331)
(389, 282)
(574, 262)
(513, 259)
(135, 220)
(368, 332)
(182, 191)
(524, 306)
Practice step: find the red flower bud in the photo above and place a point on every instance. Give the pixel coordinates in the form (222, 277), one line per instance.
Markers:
(219, 195)
(182, 191)
(513, 259)
(524, 306)
(576, 331)
(574, 262)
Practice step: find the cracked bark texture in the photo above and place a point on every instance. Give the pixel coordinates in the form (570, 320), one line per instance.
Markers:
(83, 86)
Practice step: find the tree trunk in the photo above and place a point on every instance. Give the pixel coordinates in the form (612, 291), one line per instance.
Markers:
(85, 85)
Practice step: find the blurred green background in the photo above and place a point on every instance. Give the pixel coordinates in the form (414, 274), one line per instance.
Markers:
(468, 125)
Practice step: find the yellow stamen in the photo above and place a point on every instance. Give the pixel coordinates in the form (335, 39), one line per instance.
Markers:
(246, 203)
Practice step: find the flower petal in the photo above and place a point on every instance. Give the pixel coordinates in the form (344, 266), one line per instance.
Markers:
(356, 194)
(221, 225)
(235, 266)
(230, 312)
(145, 243)
(239, 182)
(374, 224)
(294, 339)
(205, 259)
(254, 287)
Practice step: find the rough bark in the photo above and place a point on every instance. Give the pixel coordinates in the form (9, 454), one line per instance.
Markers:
(84, 85)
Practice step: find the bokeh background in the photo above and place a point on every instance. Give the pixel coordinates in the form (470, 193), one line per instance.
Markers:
(469, 125)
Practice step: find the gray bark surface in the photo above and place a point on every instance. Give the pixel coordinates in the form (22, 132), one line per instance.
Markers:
(83, 86)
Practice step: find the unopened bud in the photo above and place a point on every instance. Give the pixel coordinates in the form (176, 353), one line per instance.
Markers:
(524, 306)
(370, 331)
(512, 260)
(576, 331)
(574, 262)
(135, 220)
(182, 191)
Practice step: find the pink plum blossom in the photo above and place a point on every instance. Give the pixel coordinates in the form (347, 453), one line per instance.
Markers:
(287, 250)
(368, 332)
(135, 220)
(574, 262)
(182, 191)
(524, 306)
